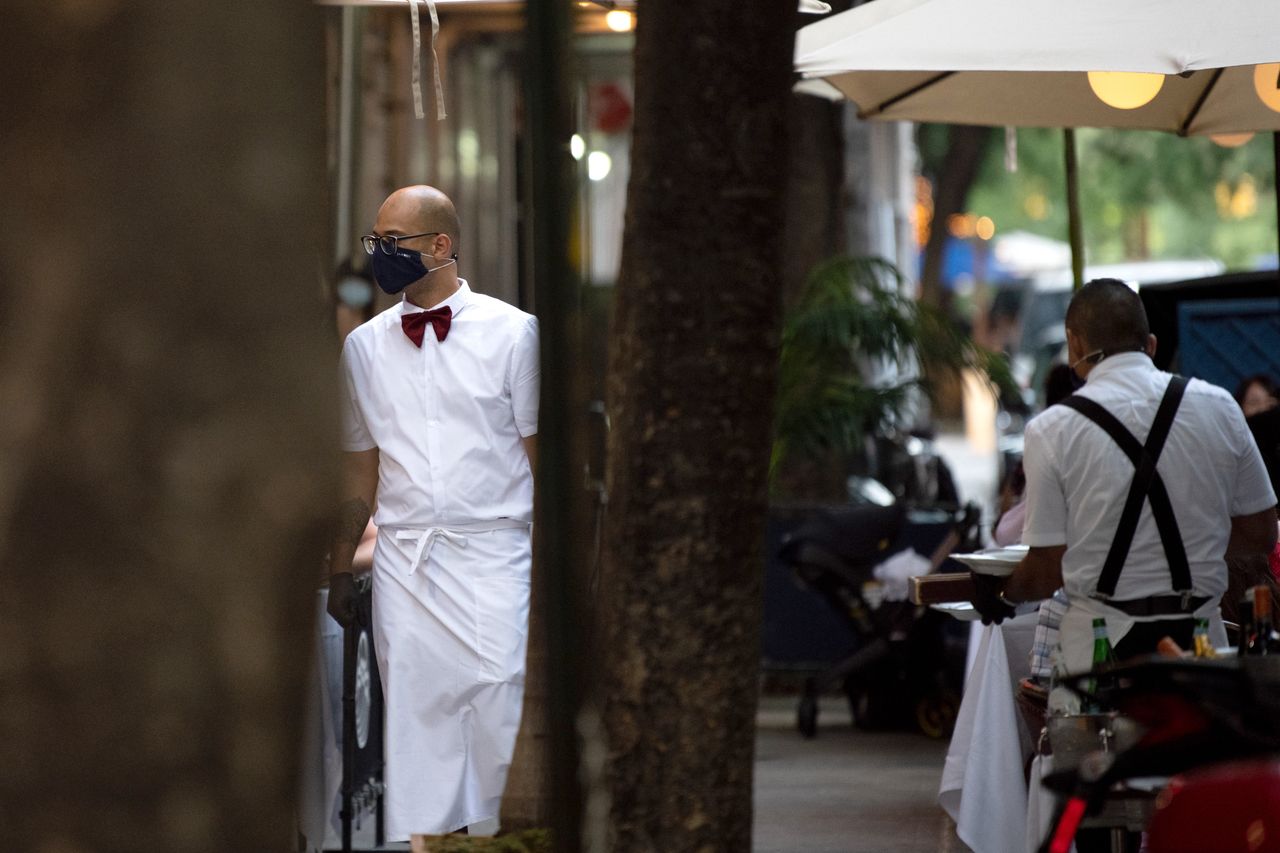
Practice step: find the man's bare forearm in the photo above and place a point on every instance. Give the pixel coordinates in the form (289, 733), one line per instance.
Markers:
(359, 486)
(1037, 576)
(1252, 534)
(353, 517)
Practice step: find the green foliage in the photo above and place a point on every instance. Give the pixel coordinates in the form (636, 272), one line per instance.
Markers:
(1142, 192)
(529, 841)
(851, 316)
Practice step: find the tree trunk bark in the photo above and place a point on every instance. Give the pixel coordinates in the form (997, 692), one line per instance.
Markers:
(166, 446)
(692, 373)
(966, 146)
(815, 207)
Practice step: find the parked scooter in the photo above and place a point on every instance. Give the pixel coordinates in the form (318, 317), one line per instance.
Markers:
(1211, 725)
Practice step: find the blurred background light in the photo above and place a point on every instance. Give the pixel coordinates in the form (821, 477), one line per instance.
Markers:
(598, 165)
(1266, 82)
(1231, 140)
(620, 21)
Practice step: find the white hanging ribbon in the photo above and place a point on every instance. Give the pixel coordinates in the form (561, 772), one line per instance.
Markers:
(1010, 149)
(417, 60)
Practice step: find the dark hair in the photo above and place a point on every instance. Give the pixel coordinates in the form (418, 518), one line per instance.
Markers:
(1108, 314)
(1267, 383)
(1058, 384)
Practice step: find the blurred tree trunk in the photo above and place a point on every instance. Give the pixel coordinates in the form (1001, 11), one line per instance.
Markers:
(692, 375)
(966, 147)
(165, 449)
(815, 207)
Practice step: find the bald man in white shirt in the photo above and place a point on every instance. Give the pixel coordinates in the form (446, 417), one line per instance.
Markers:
(439, 428)
(1207, 497)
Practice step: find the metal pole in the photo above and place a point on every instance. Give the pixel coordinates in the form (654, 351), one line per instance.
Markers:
(1075, 232)
(549, 121)
(1275, 158)
(347, 153)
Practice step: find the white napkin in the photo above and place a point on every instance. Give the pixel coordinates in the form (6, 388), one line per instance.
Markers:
(983, 789)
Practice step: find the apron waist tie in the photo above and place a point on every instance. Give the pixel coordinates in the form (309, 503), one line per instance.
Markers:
(426, 537)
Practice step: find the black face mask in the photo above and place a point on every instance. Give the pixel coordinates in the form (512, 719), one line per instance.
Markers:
(396, 272)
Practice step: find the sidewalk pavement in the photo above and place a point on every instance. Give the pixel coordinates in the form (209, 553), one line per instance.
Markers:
(846, 791)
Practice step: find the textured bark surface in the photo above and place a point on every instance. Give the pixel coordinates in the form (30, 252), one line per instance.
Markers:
(815, 222)
(166, 438)
(692, 371)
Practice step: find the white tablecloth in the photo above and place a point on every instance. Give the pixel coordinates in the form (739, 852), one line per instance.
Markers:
(321, 778)
(983, 787)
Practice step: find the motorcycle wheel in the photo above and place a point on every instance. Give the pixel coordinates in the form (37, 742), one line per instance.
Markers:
(936, 713)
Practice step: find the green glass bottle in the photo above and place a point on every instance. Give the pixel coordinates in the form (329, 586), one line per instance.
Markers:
(1102, 651)
(1103, 655)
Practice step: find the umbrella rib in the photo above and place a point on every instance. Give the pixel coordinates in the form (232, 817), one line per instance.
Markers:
(902, 96)
(1204, 96)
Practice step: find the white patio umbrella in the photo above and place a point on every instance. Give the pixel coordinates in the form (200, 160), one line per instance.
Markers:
(1027, 63)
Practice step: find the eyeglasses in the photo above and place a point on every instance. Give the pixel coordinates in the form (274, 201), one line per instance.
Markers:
(388, 241)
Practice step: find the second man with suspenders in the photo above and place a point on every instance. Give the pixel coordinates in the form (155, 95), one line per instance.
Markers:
(1138, 487)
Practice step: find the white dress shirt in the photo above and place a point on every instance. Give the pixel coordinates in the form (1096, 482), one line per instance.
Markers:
(446, 418)
(1078, 478)
(451, 568)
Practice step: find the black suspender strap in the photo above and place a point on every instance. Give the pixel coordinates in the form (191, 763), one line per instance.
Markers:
(1146, 484)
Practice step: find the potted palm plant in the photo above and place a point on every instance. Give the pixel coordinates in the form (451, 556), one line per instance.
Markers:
(856, 355)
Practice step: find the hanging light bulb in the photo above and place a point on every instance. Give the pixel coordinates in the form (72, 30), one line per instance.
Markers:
(620, 21)
(1266, 82)
(1125, 90)
(1230, 140)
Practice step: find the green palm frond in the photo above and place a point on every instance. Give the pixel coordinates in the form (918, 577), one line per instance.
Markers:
(852, 313)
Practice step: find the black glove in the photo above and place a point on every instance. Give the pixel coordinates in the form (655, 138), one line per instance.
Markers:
(342, 598)
(986, 598)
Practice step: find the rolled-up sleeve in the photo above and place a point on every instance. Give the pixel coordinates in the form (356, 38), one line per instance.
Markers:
(1046, 520)
(524, 379)
(355, 430)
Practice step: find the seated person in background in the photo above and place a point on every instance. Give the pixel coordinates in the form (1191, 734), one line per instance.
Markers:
(1058, 385)
(1256, 394)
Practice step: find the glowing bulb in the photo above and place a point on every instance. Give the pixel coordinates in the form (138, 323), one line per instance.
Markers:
(620, 21)
(598, 165)
(1231, 140)
(577, 146)
(1125, 90)
(1266, 82)
(985, 228)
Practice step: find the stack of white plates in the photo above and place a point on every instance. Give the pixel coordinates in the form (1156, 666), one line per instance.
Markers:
(993, 561)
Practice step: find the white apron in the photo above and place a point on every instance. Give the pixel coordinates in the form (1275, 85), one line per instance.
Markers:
(450, 623)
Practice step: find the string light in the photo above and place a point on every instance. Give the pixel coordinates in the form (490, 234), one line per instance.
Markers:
(1125, 90)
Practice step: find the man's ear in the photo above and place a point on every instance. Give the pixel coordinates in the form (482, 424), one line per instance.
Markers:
(1151, 346)
(1075, 347)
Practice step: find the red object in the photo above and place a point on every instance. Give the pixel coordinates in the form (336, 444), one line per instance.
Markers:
(1067, 826)
(1166, 717)
(1227, 808)
(1274, 559)
(610, 108)
(415, 325)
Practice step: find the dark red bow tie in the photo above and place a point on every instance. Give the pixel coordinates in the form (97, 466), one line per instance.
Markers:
(415, 325)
